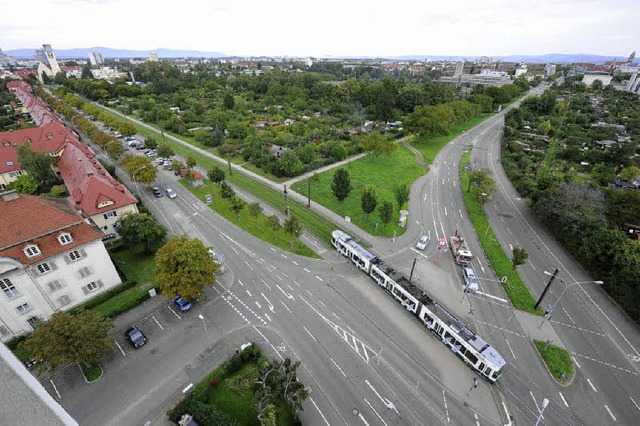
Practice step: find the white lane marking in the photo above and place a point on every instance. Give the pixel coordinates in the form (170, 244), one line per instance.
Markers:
(387, 403)
(234, 249)
(563, 399)
(290, 288)
(578, 328)
(258, 305)
(323, 417)
(308, 292)
(446, 409)
(240, 283)
(260, 333)
(503, 329)
(286, 307)
(592, 387)
(337, 366)
(322, 303)
(610, 413)
(508, 344)
(249, 266)
(249, 293)
(186, 389)
(279, 277)
(268, 317)
(373, 409)
(287, 295)
(285, 275)
(174, 313)
(475, 416)
(531, 264)
(269, 303)
(634, 403)
(460, 211)
(276, 351)
(308, 332)
(319, 278)
(55, 389)
(294, 262)
(504, 406)
(272, 249)
(159, 325)
(283, 256)
(120, 347)
(445, 210)
(574, 360)
(491, 296)
(535, 402)
(362, 418)
(443, 181)
(308, 271)
(265, 283)
(567, 314)
(297, 283)
(335, 315)
(605, 363)
(481, 265)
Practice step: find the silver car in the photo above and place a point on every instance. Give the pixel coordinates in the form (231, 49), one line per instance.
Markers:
(171, 193)
(469, 278)
(423, 242)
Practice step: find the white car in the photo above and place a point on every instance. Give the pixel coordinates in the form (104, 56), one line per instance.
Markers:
(469, 278)
(423, 242)
(171, 193)
(159, 161)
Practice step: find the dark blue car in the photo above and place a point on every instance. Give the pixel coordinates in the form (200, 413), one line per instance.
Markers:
(181, 304)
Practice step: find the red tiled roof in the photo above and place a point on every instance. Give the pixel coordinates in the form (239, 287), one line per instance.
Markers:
(28, 217)
(89, 183)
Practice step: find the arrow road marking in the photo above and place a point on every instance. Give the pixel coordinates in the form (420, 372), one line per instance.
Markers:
(385, 401)
(268, 303)
(287, 295)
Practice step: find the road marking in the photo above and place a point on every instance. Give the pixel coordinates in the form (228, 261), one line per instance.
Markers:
(269, 303)
(610, 413)
(535, 402)
(475, 416)
(241, 283)
(257, 304)
(260, 333)
(287, 295)
(297, 283)
(294, 262)
(284, 275)
(592, 387)
(249, 266)
(268, 317)
(604, 363)
(283, 256)
(371, 406)
(120, 347)
(514, 355)
(174, 312)
(276, 351)
(563, 399)
(634, 403)
(335, 315)
(315, 405)
(286, 307)
(319, 278)
(308, 292)
(307, 270)
(265, 283)
(362, 418)
(387, 403)
(445, 210)
(568, 316)
(578, 328)
(272, 249)
(337, 366)
(234, 249)
(55, 388)
(322, 303)
(305, 329)
(502, 329)
(279, 277)
(446, 409)
(576, 361)
(249, 293)
(161, 327)
(481, 266)
(290, 288)
(491, 296)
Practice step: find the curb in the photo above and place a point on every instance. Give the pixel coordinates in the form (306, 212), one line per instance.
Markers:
(573, 376)
(87, 381)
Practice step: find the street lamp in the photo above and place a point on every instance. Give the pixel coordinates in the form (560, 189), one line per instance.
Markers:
(286, 208)
(567, 285)
(545, 402)
(205, 327)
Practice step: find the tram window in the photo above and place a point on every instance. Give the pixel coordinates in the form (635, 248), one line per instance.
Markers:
(472, 358)
(481, 366)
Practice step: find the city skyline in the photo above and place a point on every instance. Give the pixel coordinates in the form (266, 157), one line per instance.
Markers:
(287, 28)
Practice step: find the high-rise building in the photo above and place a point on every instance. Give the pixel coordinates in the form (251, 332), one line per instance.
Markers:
(153, 57)
(47, 62)
(95, 58)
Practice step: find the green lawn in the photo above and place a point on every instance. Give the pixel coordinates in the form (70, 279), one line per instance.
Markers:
(254, 225)
(557, 359)
(432, 146)
(382, 173)
(498, 259)
(92, 372)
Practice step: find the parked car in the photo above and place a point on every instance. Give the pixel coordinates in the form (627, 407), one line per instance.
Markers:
(157, 192)
(159, 161)
(166, 162)
(171, 193)
(135, 336)
(182, 305)
(469, 278)
(423, 242)
(176, 172)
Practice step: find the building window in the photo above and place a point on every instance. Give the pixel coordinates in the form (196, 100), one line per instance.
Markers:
(54, 285)
(43, 268)
(65, 239)
(92, 286)
(84, 272)
(64, 300)
(4, 331)
(32, 251)
(110, 214)
(9, 289)
(75, 255)
(34, 322)
(23, 309)
(2, 187)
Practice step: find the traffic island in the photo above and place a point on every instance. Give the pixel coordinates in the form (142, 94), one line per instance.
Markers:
(91, 372)
(557, 360)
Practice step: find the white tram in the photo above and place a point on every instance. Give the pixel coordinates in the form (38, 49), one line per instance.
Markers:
(462, 341)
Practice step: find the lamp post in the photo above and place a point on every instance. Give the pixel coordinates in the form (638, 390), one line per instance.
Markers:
(545, 402)
(567, 285)
(286, 208)
(133, 176)
(205, 327)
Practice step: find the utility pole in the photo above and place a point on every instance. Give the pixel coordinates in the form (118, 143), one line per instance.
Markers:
(473, 386)
(412, 268)
(546, 289)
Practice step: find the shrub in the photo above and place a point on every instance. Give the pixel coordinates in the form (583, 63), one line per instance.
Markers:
(234, 364)
(214, 382)
(59, 191)
(98, 300)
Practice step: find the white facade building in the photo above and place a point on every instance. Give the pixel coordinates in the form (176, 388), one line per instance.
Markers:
(50, 260)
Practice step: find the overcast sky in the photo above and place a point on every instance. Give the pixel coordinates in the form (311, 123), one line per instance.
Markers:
(328, 27)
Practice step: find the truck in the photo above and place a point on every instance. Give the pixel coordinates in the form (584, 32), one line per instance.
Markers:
(461, 253)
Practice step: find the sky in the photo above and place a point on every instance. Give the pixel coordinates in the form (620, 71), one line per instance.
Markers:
(328, 28)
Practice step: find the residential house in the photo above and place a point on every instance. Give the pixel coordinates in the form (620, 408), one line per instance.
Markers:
(50, 259)
(197, 179)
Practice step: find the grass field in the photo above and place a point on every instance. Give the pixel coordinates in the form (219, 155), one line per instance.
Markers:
(431, 147)
(254, 225)
(499, 260)
(557, 359)
(382, 173)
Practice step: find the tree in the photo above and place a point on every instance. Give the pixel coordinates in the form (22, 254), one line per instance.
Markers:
(289, 164)
(141, 232)
(165, 151)
(216, 174)
(25, 184)
(191, 162)
(236, 204)
(369, 201)
(628, 174)
(150, 142)
(273, 223)
(278, 380)
(402, 194)
(114, 149)
(341, 185)
(184, 267)
(226, 191)
(140, 168)
(86, 72)
(377, 144)
(429, 121)
(228, 101)
(544, 128)
(386, 212)
(255, 209)
(485, 188)
(65, 338)
(477, 176)
(176, 165)
(293, 226)
(519, 257)
(38, 165)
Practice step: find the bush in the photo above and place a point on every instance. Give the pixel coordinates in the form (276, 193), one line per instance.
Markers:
(214, 382)
(59, 191)
(234, 364)
(98, 300)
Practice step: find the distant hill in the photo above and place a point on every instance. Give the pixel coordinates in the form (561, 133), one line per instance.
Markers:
(555, 58)
(107, 52)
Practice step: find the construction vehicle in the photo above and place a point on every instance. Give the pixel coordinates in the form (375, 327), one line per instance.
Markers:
(461, 253)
